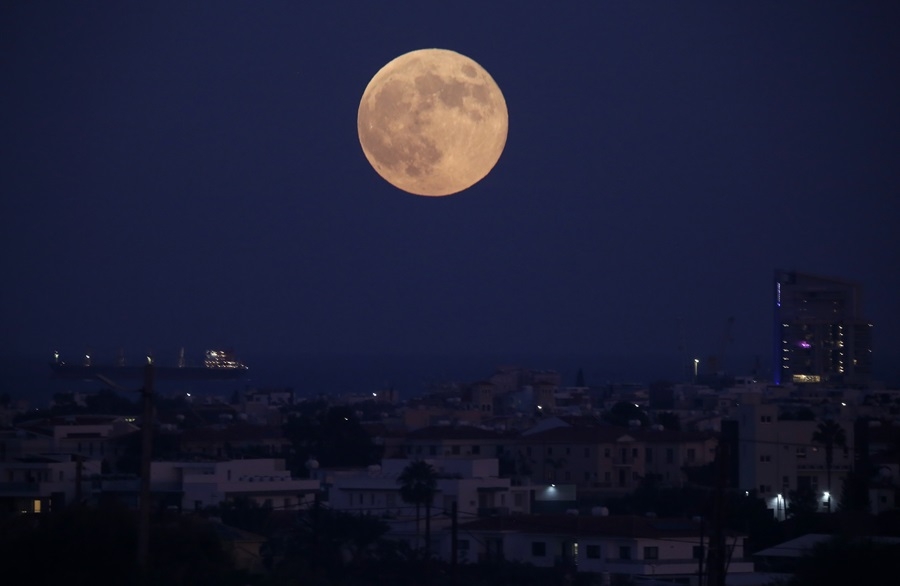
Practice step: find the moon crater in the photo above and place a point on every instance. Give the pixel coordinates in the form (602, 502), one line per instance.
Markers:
(432, 122)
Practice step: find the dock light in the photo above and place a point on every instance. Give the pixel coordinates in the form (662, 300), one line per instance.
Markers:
(826, 494)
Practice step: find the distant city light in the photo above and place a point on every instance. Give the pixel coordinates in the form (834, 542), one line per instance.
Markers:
(804, 344)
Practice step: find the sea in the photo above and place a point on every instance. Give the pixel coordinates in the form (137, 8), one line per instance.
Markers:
(28, 377)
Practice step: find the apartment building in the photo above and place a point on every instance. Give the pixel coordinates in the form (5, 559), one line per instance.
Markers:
(612, 460)
(778, 456)
(197, 485)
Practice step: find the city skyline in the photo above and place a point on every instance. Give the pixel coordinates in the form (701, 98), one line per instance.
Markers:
(191, 176)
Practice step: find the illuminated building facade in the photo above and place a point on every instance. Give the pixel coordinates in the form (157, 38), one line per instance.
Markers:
(820, 333)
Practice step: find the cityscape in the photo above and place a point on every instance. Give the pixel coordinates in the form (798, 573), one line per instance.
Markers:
(429, 294)
(721, 479)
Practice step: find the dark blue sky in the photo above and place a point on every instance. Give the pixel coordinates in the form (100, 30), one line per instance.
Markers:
(189, 174)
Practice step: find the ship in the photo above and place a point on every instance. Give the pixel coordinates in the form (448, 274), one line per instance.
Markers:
(217, 365)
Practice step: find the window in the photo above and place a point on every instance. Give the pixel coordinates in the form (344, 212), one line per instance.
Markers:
(801, 452)
(592, 552)
(476, 449)
(606, 452)
(587, 452)
(624, 552)
(651, 552)
(549, 451)
(518, 500)
(765, 419)
(462, 544)
(698, 552)
(432, 450)
(228, 474)
(634, 452)
(538, 549)
(691, 454)
(670, 456)
(648, 455)
(568, 450)
(454, 450)
(587, 475)
(765, 458)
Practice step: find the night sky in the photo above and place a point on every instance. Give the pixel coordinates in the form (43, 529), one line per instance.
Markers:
(189, 174)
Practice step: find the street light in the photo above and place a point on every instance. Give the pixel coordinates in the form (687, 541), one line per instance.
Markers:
(696, 364)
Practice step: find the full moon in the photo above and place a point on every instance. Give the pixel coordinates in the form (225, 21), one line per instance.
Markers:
(432, 122)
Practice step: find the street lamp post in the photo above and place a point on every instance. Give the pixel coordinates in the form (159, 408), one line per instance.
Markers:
(696, 364)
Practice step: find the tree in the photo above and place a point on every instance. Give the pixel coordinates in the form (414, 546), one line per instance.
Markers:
(669, 420)
(418, 485)
(332, 435)
(855, 492)
(623, 412)
(802, 503)
(840, 560)
(829, 434)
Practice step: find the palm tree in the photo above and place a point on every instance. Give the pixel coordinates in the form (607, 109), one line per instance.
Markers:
(829, 434)
(418, 485)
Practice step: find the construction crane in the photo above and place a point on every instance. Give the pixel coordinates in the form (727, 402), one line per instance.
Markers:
(716, 362)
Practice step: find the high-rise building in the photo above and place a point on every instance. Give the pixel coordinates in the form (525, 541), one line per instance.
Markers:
(820, 333)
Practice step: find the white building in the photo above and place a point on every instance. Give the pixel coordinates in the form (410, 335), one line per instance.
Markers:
(636, 547)
(206, 484)
(39, 484)
(776, 457)
(473, 485)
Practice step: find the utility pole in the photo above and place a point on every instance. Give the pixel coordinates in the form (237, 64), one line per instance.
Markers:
(146, 447)
(702, 553)
(454, 544)
(717, 555)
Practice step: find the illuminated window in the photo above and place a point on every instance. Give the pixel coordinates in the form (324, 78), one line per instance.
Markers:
(37, 505)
